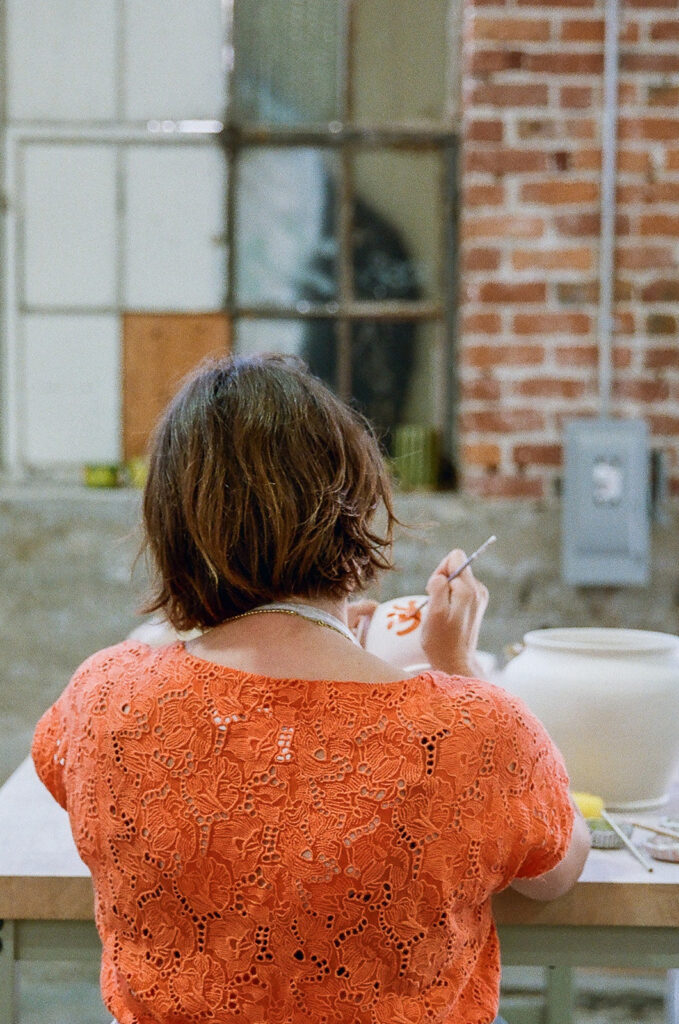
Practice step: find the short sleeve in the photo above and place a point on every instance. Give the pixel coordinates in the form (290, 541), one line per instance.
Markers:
(52, 746)
(534, 792)
(49, 750)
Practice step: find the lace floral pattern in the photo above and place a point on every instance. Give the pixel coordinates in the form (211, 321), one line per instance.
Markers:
(277, 851)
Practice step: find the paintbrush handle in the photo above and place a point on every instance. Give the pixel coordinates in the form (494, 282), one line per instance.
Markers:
(461, 568)
(643, 860)
(653, 828)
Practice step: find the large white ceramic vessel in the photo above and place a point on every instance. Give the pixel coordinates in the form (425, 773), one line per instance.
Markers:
(610, 700)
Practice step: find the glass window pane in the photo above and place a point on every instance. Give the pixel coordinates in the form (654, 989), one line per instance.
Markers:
(285, 227)
(399, 60)
(286, 55)
(313, 340)
(396, 378)
(398, 225)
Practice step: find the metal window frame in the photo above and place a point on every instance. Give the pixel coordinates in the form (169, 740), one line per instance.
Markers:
(346, 138)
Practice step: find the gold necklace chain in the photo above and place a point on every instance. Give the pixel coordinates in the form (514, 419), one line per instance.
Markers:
(346, 633)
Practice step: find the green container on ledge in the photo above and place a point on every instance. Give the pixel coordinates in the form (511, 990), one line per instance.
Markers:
(416, 457)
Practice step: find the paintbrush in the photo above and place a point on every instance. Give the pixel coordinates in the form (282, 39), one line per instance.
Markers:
(468, 561)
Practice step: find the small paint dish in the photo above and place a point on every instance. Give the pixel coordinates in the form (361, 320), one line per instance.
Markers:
(662, 848)
(603, 836)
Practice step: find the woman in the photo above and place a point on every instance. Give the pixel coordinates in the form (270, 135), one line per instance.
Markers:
(280, 826)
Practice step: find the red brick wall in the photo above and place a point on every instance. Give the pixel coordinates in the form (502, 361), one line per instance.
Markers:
(531, 164)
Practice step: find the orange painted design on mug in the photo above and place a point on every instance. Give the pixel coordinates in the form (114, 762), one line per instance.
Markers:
(409, 614)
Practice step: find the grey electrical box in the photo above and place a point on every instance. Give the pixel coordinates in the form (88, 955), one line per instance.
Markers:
(606, 522)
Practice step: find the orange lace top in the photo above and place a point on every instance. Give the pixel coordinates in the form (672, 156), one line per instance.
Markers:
(283, 851)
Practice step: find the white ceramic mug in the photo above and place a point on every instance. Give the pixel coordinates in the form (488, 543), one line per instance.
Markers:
(395, 631)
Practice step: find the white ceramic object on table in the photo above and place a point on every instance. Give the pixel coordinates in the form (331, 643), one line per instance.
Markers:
(610, 700)
(395, 632)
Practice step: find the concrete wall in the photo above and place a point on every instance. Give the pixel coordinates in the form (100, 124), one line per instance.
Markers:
(66, 556)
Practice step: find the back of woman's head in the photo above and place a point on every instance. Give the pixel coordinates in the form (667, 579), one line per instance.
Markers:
(262, 485)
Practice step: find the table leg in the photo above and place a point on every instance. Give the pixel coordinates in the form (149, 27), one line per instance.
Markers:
(6, 972)
(672, 998)
(559, 995)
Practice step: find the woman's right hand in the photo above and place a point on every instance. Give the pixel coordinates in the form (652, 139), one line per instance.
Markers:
(450, 630)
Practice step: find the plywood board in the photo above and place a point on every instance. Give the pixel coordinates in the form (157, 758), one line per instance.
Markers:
(159, 349)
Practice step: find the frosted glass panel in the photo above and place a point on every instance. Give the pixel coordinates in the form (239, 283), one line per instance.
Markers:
(312, 340)
(396, 372)
(61, 57)
(397, 225)
(72, 392)
(285, 221)
(400, 60)
(286, 60)
(174, 59)
(175, 252)
(69, 225)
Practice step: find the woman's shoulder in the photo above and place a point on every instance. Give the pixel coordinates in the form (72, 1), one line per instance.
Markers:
(122, 661)
(477, 699)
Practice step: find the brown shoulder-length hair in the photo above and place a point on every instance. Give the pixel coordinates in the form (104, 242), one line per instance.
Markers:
(262, 485)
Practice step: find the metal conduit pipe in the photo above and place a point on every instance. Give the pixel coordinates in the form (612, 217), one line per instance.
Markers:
(609, 131)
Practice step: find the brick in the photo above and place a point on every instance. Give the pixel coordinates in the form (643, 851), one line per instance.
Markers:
(480, 259)
(661, 358)
(645, 257)
(484, 131)
(584, 225)
(494, 485)
(534, 30)
(560, 63)
(588, 355)
(553, 259)
(576, 97)
(482, 323)
(482, 454)
(501, 291)
(586, 160)
(662, 224)
(552, 323)
(664, 95)
(628, 94)
(537, 454)
(505, 161)
(663, 423)
(502, 421)
(641, 390)
(508, 226)
(579, 293)
(655, 63)
(661, 323)
(510, 95)
(668, 30)
(556, 4)
(661, 290)
(483, 389)
(581, 128)
(651, 192)
(549, 387)
(486, 62)
(583, 31)
(648, 5)
(484, 195)
(485, 356)
(633, 161)
(653, 129)
(560, 191)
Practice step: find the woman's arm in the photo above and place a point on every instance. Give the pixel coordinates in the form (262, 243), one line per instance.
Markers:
(450, 629)
(563, 877)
